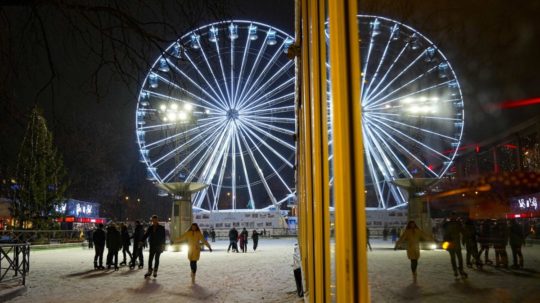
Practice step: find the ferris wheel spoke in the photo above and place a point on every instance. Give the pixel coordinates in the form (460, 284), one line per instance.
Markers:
(383, 100)
(211, 165)
(211, 70)
(377, 140)
(386, 74)
(283, 86)
(242, 69)
(364, 75)
(269, 163)
(184, 161)
(254, 67)
(403, 149)
(262, 86)
(229, 100)
(221, 174)
(186, 133)
(270, 111)
(170, 98)
(204, 91)
(263, 126)
(254, 125)
(411, 138)
(217, 96)
(374, 175)
(245, 96)
(182, 147)
(381, 61)
(233, 168)
(272, 119)
(398, 76)
(263, 142)
(258, 169)
(381, 117)
(269, 103)
(199, 98)
(246, 175)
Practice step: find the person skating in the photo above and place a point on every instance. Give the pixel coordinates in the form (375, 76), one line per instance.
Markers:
(194, 238)
(517, 240)
(245, 236)
(99, 246)
(412, 235)
(114, 244)
(367, 239)
(500, 240)
(138, 235)
(485, 239)
(155, 234)
(213, 234)
(126, 243)
(233, 237)
(471, 245)
(453, 231)
(255, 238)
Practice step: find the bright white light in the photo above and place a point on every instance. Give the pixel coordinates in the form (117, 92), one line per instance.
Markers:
(163, 107)
(387, 106)
(408, 100)
(165, 119)
(433, 246)
(171, 116)
(423, 99)
(435, 99)
(184, 247)
(174, 106)
(182, 116)
(414, 109)
(207, 111)
(188, 107)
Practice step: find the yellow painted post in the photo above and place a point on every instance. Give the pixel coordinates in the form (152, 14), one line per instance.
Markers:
(350, 226)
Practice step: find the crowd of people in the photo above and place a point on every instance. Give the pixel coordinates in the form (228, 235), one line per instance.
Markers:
(472, 235)
(117, 238)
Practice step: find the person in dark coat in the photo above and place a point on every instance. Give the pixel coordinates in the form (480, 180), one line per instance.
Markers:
(155, 234)
(484, 238)
(500, 240)
(255, 238)
(453, 231)
(233, 237)
(89, 234)
(245, 236)
(471, 245)
(213, 234)
(138, 235)
(126, 243)
(98, 238)
(517, 239)
(114, 244)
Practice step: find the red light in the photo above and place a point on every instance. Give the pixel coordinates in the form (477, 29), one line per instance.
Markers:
(477, 148)
(70, 219)
(519, 103)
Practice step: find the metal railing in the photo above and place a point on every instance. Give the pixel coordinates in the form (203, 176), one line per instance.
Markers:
(41, 236)
(14, 262)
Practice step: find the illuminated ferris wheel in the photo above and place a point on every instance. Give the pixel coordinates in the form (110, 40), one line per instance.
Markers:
(217, 107)
(412, 108)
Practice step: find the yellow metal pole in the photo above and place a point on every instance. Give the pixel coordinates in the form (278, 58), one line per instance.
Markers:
(351, 258)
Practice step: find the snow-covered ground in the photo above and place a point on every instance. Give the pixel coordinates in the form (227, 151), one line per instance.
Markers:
(67, 275)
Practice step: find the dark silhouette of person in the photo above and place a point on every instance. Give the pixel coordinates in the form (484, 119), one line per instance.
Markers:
(367, 239)
(138, 238)
(213, 234)
(255, 238)
(517, 239)
(471, 244)
(245, 236)
(114, 244)
(453, 231)
(485, 239)
(98, 238)
(155, 234)
(500, 240)
(233, 238)
(126, 243)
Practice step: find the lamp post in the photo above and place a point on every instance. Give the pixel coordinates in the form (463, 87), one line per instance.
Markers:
(182, 211)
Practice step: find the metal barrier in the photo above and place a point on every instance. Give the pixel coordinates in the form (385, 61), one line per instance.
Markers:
(14, 262)
(41, 236)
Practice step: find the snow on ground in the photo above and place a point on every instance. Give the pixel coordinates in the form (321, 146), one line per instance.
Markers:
(390, 278)
(67, 275)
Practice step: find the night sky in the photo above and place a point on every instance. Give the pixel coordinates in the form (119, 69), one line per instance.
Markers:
(492, 45)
